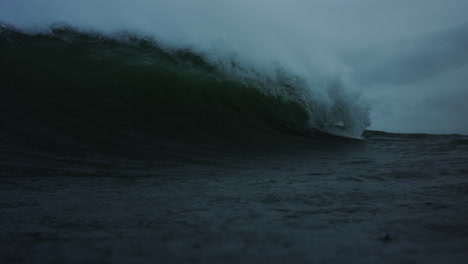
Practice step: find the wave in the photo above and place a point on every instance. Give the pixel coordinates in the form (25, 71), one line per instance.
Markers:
(66, 86)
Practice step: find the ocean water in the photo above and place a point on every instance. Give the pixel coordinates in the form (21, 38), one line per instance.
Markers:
(116, 148)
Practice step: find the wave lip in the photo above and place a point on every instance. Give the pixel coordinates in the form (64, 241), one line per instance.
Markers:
(88, 87)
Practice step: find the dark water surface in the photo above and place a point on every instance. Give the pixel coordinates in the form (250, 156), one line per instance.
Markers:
(389, 199)
(94, 172)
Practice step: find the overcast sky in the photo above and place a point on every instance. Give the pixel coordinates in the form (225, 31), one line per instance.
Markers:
(408, 58)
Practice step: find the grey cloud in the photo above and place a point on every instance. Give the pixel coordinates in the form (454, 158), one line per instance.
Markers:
(413, 59)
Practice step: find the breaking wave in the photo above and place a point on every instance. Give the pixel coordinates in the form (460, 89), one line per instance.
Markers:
(67, 86)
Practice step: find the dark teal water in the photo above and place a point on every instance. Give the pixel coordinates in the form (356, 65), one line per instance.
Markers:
(123, 151)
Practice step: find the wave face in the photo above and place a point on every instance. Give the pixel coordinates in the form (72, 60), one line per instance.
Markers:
(72, 88)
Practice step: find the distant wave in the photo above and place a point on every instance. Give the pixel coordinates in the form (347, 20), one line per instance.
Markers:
(67, 85)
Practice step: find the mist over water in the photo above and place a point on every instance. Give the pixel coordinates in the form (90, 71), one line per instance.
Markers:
(406, 61)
